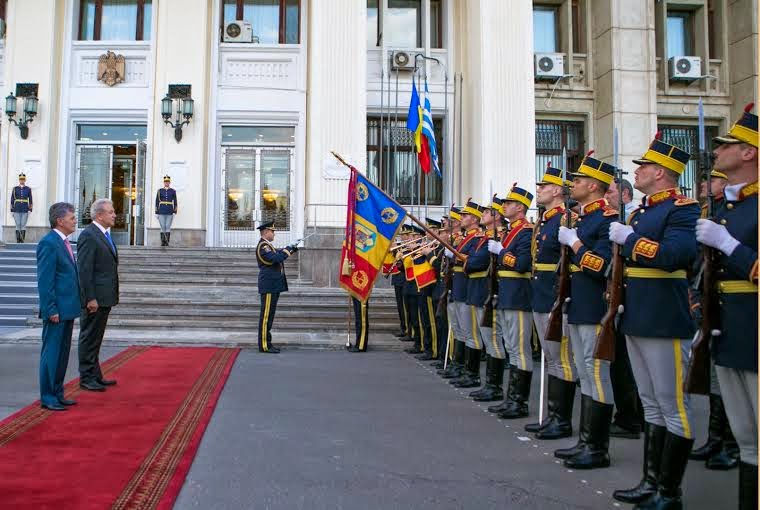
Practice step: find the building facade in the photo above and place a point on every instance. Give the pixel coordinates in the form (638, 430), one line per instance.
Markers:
(265, 89)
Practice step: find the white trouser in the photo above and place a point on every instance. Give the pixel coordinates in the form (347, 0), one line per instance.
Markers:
(593, 373)
(516, 328)
(739, 391)
(558, 355)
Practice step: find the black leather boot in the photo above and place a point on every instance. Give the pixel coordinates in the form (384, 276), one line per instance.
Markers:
(476, 393)
(518, 400)
(23, 236)
(728, 456)
(508, 393)
(675, 456)
(168, 238)
(454, 369)
(493, 391)
(551, 408)
(561, 424)
(747, 486)
(583, 430)
(596, 452)
(472, 371)
(163, 238)
(18, 236)
(716, 426)
(463, 371)
(654, 440)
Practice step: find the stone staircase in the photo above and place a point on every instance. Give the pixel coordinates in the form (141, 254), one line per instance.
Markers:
(200, 289)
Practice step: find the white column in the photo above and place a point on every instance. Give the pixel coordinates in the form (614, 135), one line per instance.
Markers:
(33, 56)
(182, 57)
(337, 103)
(495, 55)
(742, 55)
(625, 79)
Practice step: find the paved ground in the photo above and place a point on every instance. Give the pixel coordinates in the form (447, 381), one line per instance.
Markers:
(329, 429)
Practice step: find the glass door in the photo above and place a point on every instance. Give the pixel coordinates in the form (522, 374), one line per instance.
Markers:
(122, 188)
(94, 167)
(138, 209)
(274, 189)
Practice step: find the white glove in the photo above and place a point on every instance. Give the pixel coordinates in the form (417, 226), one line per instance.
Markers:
(714, 235)
(568, 236)
(448, 253)
(494, 247)
(619, 232)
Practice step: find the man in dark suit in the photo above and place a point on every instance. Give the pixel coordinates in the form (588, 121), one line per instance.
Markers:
(58, 288)
(98, 263)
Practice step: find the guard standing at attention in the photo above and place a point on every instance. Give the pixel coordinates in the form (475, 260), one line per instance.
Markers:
(166, 208)
(361, 322)
(659, 248)
(591, 254)
(733, 234)
(21, 206)
(272, 282)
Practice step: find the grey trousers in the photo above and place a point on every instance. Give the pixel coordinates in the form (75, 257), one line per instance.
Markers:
(165, 222)
(468, 322)
(20, 218)
(659, 367)
(593, 373)
(558, 355)
(740, 399)
(455, 332)
(516, 328)
(492, 337)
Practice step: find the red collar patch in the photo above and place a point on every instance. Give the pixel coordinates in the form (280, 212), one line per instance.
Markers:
(593, 206)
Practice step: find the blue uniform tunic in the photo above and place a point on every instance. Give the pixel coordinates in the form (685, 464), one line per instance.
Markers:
(588, 282)
(166, 201)
(272, 278)
(544, 281)
(663, 240)
(514, 268)
(459, 283)
(21, 199)
(476, 270)
(736, 347)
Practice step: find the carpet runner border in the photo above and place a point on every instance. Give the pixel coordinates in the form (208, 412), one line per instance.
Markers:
(33, 414)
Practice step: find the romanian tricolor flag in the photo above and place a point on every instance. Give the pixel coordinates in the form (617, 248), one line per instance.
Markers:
(389, 264)
(424, 273)
(373, 220)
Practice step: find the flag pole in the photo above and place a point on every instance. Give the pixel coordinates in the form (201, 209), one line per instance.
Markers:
(422, 224)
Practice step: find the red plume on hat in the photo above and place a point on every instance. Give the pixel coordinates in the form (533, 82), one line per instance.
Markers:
(749, 107)
(589, 153)
(658, 135)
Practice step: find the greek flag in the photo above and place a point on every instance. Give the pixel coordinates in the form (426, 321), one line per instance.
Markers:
(427, 130)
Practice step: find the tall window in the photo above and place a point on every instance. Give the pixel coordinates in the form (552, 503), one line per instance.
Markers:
(551, 137)
(115, 20)
(679, 33)
(687, 138)
(400, 175)
(403, 25)
(273, 21)
(578, 42)
(545, 29)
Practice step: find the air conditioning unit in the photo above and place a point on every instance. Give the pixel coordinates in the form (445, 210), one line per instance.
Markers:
(549, 66)
(402, 61)
(683, 68)
(238, 31)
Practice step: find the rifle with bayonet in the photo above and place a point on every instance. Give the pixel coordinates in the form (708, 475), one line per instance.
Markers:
(698, 374)
(554, 327)
(447, 273)
(607, 337)
(493, 277)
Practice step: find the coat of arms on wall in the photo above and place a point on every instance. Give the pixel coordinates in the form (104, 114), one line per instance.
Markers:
(111, 68)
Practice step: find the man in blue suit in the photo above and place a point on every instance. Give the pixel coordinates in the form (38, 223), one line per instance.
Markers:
(58, 286)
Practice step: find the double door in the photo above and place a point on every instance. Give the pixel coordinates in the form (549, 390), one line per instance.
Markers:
(115, 172)
(256, 187)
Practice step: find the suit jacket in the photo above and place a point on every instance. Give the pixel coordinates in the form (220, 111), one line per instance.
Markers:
(57, 279)
(98, 265)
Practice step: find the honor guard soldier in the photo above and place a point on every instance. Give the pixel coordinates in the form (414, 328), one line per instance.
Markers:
(733, 234)
(427, 282)
(436, 257)
(21, 206)
(361, 322)
(591, 254)
(720, 451)
(397, 281)
(659, 247)
(411, 293)
(272, 282)
(166, 208)
(562, 375)
(457, 346)
(512, 312)
(470, 293)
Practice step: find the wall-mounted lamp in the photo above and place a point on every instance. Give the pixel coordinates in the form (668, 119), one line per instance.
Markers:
(29, 92)
(180, 94)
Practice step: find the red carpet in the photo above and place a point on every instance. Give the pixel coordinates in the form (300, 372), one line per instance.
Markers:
(130, 447)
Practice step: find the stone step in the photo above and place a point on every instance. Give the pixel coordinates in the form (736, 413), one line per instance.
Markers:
(30, 298)
(13, 321)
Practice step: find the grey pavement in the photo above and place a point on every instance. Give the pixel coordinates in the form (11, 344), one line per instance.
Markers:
(330, 429)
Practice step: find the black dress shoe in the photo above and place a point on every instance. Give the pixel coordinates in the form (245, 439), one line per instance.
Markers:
(354, 348)
(271, 350)
(53, 407)
(107, 382)
(622, 432)
(66, 402)
(92, 386)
